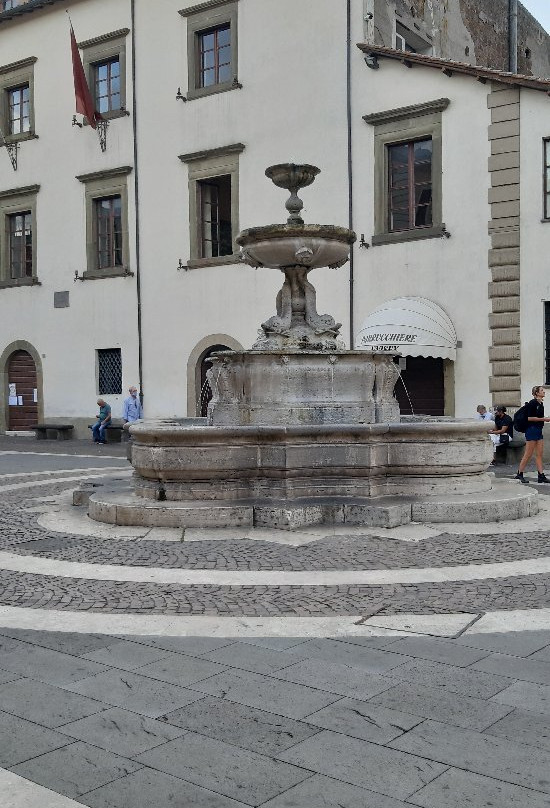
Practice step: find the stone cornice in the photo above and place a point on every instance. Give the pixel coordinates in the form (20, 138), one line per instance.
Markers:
(99, 40)
(106, 174)
(234, 148)
(19, 65)
(24, 191)
(413, 111)
(206, 6)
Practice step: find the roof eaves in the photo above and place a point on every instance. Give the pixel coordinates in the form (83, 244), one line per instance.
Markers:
(449, 67)
(26, 8)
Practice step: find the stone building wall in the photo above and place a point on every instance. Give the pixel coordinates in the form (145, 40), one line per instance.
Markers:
(473, 31)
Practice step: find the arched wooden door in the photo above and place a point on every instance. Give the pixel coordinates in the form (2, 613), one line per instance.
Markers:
(23, 392)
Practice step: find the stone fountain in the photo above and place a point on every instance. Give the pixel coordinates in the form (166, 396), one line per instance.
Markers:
(301, 431)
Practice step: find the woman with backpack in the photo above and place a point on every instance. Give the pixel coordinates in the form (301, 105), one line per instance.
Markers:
(534, 442)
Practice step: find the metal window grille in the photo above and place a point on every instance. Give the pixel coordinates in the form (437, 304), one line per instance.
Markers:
(109, 367)
(547, 342)
(107, 85)
(214, 51)
(109, 232)
(20, 244)
(19, 110)
(410, 185)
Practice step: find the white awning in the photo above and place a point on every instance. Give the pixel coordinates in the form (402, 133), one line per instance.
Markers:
(413, 326)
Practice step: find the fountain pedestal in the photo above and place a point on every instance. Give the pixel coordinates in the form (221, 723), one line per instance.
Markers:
(284, 388)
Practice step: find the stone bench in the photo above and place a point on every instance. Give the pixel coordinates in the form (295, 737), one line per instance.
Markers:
(54, 431)
(511, 452)
(114, 433)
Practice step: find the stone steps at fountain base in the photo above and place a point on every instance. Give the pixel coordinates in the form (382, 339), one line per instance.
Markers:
(505, 501)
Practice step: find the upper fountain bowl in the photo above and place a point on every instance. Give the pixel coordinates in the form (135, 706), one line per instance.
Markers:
(287, 245)
(292, 176)
(295, 244)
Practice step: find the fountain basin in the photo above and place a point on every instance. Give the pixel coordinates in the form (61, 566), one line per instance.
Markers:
(279, 477)
(295, 462)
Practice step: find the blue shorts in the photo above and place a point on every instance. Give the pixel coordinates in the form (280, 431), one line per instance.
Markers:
(533, 432)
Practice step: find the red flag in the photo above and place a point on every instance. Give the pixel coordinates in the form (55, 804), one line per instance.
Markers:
(84, 103)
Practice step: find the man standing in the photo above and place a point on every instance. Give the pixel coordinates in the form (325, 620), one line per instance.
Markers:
(103, 421)
(132, 409)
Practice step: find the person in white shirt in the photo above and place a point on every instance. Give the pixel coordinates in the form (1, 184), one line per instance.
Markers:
(131, 408)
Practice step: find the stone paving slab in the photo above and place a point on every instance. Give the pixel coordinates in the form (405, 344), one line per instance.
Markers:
(21, 740)
(527, 695)
(140, 694)
(523, 726)
(364, 720)
(182, 671)
(125, 655)
(45, 704)
(370, 659)
(148, 788)
(246, 727)
(76, 768)
(324, 792)
(388, 772)
(266, 693)
(461, 681)
(193, 646)
(121, 732)
(437, 703)
(456, 789)
(513, 643)
(437, 651)
(63, 641)
(341, 679)
(258, 660)
(51, 667)
(236, 773)
(480, 753)
(527, 670)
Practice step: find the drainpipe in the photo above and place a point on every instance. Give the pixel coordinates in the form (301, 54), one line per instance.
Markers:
(136, 203)
(513, 36)
(350, 172)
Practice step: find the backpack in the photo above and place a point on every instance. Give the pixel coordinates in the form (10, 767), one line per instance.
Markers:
(520, 419)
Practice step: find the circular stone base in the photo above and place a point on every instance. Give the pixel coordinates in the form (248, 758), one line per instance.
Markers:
(505, 501)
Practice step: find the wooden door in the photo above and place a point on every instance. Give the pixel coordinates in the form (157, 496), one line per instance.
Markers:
(421, 389)
(23, 415)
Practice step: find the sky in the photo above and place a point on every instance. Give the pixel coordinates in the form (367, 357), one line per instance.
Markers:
(539, 9)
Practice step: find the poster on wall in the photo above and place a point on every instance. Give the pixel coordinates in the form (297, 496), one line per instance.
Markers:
(12, 401)
(35, 396)
(20, 400)
(12, 388)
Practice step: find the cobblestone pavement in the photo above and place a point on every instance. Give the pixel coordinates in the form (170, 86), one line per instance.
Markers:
(20, 533)
(357, 721)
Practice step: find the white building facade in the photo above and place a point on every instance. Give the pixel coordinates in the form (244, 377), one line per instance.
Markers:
(120, 267)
